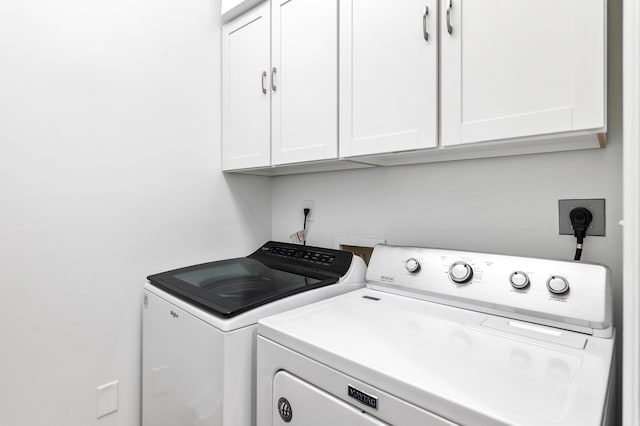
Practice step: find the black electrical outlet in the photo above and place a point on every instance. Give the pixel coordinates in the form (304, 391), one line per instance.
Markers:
(595, 205)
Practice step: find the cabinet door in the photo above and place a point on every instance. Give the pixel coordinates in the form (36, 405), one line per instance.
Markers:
(521, 68)
(305, 71)
(246, 94)
(388, 76)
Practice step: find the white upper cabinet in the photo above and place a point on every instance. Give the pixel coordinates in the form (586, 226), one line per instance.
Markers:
(246, 91)
(388, 76)
(313, 85)
(305, 80)
(521, 68)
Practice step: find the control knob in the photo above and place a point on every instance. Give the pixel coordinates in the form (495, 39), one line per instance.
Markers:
(519, 280)
(460, 272)
(557, 284)
(412, 265)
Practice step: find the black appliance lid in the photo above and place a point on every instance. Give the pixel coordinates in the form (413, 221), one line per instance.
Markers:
(274, 271)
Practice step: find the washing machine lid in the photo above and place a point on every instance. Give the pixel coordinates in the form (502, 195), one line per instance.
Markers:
(276, 270)
(465, 366)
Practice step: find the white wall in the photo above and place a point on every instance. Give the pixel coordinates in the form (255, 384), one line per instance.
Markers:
(503, 205)
(109, 171)
(631, 195)
(507, 205)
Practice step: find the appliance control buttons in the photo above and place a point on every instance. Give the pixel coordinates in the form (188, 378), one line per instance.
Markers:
(460, 272)
(519, 279)
(412, 265)
(557, 284)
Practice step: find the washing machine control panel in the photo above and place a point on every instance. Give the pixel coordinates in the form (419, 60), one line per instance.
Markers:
(304, 260)
(321, 257)
(573, 295)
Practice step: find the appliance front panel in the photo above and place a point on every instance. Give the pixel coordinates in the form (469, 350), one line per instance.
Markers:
(296, 402)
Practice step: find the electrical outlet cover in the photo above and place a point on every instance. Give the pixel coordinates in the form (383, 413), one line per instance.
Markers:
(595, 205)
(107, 399)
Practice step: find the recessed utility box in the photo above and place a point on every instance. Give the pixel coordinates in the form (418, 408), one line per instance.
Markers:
(595, 205)
(362, 247)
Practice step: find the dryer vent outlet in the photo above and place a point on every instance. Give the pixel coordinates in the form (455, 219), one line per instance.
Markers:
(363, 252)
(360, 246)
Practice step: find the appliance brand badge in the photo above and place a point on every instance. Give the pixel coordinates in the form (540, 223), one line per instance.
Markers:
(174, 314)
(386, 278)
(284, 408)
(146, 301)
(362, 397)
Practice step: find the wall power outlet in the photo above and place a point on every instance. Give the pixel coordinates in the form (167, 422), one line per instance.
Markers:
(309, 204)
(595, 205)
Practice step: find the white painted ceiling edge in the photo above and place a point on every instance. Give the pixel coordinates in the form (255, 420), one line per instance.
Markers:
(631, 214)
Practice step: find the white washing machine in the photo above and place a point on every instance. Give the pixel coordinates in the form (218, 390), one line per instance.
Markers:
(444, 337)
(199, 328)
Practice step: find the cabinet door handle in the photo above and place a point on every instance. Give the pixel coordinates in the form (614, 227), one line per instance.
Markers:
(424, 23)
(264, 82)
(273, 78)
(449, 27)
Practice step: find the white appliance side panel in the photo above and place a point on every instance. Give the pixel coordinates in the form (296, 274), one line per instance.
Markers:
(246, 95)
(305, 101)
(240, 376)
(310, 406)
(182, 381)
